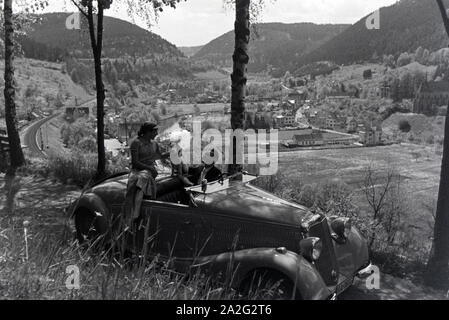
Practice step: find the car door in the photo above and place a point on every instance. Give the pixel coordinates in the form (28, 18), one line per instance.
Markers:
(170, 229)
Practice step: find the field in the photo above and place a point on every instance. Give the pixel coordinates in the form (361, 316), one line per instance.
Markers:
(211, 75)
(182, 109)
(420, 176)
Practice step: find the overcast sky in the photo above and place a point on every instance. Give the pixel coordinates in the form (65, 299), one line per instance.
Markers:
(197, 22)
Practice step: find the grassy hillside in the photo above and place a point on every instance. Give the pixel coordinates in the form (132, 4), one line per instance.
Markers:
(42, 87)
(276, 44)
(423, 129)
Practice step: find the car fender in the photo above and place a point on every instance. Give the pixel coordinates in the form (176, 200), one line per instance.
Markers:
(94, 204)
(295, 267)
(352, 255)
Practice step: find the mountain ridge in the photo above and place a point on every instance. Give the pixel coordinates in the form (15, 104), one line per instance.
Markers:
(120, 38)
(294, 40)
(404, 26)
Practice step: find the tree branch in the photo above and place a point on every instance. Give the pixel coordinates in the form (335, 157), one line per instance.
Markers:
(90, 19)
(79, 8)
(443, 11)
(100, 19)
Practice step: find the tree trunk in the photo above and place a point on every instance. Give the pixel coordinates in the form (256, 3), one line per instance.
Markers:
(97, 48)
(238, 77)
(437, 273)
(16, 154)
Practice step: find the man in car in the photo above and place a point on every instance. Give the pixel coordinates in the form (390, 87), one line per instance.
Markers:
(209, 172)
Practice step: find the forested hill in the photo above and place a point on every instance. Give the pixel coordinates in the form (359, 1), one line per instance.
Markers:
(190, 51)
(50, 38)
(404, 27)
(277, 44)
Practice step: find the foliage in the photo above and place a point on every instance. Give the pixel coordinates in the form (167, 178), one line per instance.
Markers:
(73, 134)
(73, 167)
(404, 126)
(410, 25)
(379, 215)
(294, 40)
(46, 41)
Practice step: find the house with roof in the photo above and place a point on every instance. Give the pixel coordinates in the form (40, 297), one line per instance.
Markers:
(308, 138)
(351, 125)
(371, 136)
(430, 95)
(285, 120)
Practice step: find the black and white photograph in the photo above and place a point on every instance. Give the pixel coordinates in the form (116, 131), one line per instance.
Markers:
(224, 154)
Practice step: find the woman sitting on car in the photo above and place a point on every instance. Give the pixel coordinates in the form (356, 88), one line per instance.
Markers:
(141, 182)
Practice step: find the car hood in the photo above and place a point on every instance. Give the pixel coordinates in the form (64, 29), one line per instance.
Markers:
(248, 202)
(243, 201)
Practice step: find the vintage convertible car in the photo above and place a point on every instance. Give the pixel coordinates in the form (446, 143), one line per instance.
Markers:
(233, 222)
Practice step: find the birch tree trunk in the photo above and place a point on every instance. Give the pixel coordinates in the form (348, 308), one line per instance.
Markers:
(16, 154)
(240, 62)
(97, 49)
(437, 274)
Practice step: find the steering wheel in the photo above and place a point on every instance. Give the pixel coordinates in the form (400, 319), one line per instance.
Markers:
(222, 176)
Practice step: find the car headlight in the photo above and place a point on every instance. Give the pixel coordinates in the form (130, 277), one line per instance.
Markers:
(341, 228)
(311, 248)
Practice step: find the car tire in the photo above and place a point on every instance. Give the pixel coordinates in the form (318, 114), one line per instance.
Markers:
(89, 227)
(268, 284)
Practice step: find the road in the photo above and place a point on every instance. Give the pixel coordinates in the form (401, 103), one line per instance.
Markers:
(29, 136)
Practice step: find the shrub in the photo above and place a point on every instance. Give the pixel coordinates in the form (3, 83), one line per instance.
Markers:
(380, 218)
(281, 185)
(87, 144)
(404, 126)
(73, 167)
(367, 74)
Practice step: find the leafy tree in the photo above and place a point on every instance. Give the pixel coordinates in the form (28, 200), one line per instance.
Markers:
(389, 61)
(404, 126)
(240, 58)
(404, 59)
(367, 74)
(59, 101)
(93, 11)
(419, 54)
(163, 109)
(16, 154)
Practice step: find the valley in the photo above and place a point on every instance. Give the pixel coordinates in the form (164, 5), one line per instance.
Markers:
(360, 116)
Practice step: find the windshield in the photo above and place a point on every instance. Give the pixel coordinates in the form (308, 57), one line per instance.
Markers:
(217, 186)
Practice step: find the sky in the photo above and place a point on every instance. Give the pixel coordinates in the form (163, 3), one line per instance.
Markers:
(196, 22)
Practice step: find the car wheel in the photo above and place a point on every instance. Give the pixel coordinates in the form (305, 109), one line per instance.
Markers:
(268, 285)
(88, 227)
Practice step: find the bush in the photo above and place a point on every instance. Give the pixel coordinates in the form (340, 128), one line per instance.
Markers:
(281, 185)
(87, 144)
(380, 218)
(367, 74)
(73, 167)
(404, 126)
